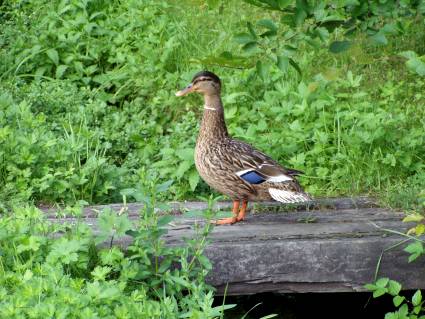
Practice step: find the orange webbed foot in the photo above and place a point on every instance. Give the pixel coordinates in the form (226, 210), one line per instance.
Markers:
(238, 215)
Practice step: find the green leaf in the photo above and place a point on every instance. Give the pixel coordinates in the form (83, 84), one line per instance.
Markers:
(394, 288)
(415, 249)
(164, 186)
(417, 298)
(283, 63)
(403, 311)
(379, 39)
(284, 3)
(251, 29)
(205, 262)
(339, 46)
(416, 65)
(295, 66)
(53, 55)
(183, 168)
(268, 24)
(413, 218)
(250, 46)
(60, 70)
(165, 265)
(370, 287)
(408, 54)
(391, 315)
(193, 179)
(243, 38)
(262, 70)
(379, 292)
(382, 282)
(185, 154)
(397, 300)
(180, 281)
(300, 16)
(165, 220)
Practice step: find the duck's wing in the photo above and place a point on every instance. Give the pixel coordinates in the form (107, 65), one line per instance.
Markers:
(255, 167)
(247, 159)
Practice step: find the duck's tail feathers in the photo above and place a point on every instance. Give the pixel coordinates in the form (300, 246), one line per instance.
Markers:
(287, 196)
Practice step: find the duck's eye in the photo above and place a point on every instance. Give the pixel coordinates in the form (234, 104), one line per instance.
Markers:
(202, 80)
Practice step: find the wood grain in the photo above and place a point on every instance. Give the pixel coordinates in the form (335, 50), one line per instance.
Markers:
(331, 245)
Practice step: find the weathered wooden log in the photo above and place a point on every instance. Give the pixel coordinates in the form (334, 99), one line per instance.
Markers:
(331, 246)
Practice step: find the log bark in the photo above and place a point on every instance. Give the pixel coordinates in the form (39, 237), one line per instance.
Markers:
(331, 245)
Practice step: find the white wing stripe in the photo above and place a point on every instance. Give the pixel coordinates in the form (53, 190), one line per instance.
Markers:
(287, 196)
(279, 178)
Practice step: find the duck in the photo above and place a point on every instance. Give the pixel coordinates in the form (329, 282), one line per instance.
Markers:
(233, 167)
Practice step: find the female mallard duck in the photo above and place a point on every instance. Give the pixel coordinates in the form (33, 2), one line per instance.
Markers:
(232, 167)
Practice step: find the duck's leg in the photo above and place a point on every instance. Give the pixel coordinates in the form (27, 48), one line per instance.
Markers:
(230, 220)
(241, 215)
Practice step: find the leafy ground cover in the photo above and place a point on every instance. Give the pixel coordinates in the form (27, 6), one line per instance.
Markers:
(88, 113)
(87, 104)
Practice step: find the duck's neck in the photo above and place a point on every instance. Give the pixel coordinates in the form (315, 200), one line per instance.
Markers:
(213, 125)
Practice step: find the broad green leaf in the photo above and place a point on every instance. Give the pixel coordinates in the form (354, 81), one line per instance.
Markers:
(382, 282)
(165, 265)
(60, 70)
(164, 186)
(282, 63)
(416, 65)
(397, 300)
(186, 154)
(250, 47)
(193, 179)
(165, 220)
(205, 262)
(408, 54)
(391, 315)
(379, 292)
(267, 23)
(415, 249)
(53, 55)
(300, 16)
(379, 39)
(393, 287)
(339, 46)
(284, 3)
(403, 311)
(262, 70)
(413, 218)
(417, 298)
(370, 287)
(182, 168)
(243, 38)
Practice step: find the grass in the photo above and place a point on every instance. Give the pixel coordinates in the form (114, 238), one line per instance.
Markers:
(104, 107)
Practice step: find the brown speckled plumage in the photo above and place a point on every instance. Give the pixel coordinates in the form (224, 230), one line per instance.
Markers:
(221, 160)
(218, 157)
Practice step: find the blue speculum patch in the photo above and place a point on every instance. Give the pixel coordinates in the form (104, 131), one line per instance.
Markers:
(253, 177)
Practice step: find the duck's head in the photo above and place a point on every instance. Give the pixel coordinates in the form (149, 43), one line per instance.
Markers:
(204, 82)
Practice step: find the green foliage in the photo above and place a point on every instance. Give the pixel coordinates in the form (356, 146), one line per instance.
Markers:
(49, 270)
(407, 308)
(316, 23)
(351, 121)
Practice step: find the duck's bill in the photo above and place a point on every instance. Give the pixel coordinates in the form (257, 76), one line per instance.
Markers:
(185, 91)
